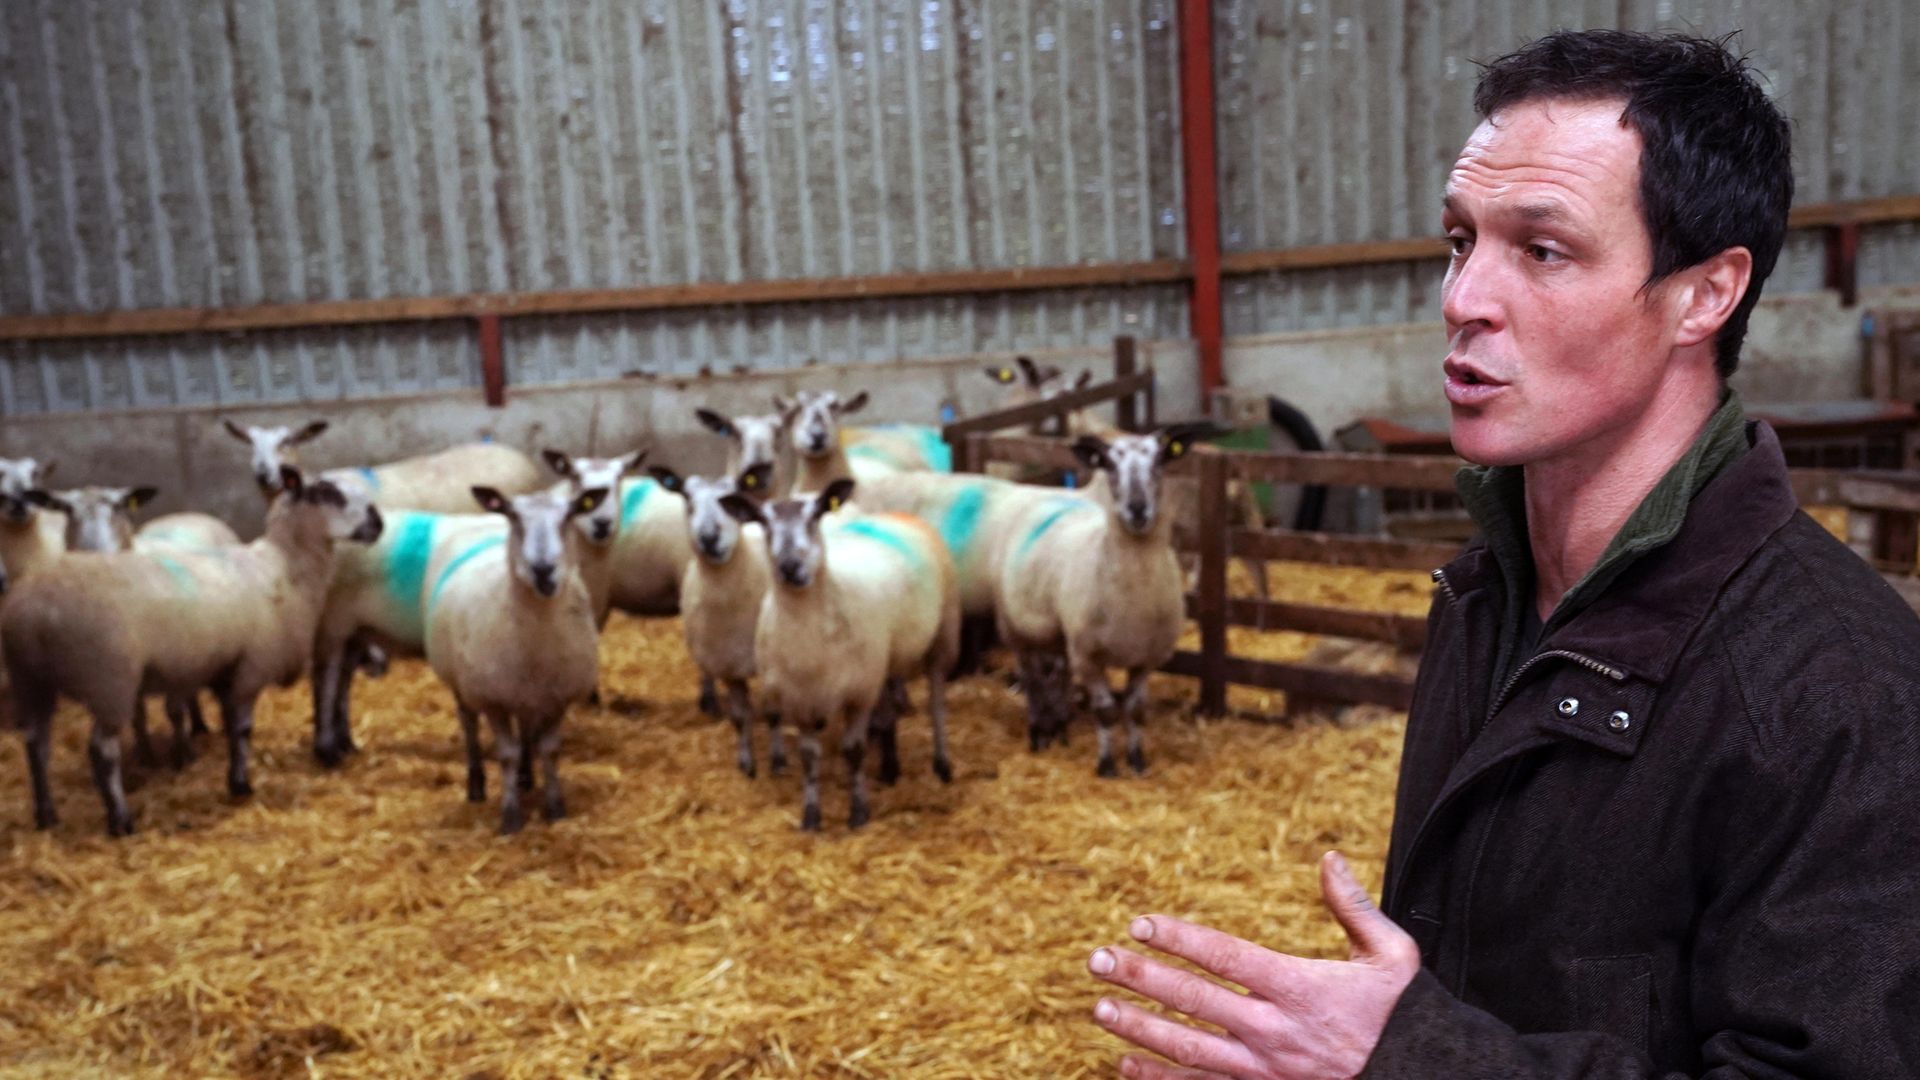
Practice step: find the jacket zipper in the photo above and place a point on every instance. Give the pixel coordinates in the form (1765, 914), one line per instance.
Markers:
(1587, 662)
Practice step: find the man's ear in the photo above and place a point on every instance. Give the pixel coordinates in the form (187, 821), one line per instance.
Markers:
(1710, 292)
(492, 501)
(138, 498)
(836, 496)
(668, 479)
(560, 463)
(720, 425)
(1092, 451)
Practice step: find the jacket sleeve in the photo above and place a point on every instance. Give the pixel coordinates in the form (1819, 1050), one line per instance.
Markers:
(1806, 951)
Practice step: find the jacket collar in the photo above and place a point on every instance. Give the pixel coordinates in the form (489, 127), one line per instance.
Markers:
(1641, 620)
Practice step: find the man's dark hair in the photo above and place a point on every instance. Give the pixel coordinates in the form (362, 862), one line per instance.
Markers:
(1716, 167)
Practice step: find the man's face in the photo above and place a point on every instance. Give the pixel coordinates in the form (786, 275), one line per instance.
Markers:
(1554, 349)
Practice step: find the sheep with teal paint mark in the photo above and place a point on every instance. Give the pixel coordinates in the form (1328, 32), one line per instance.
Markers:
(511, 632)
(101, 628)
(437, 482)
(1104, 587)
(721, 598)
(854, 606)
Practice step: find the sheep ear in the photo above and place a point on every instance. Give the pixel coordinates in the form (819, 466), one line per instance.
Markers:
(237, 431)
(718, 424)
(46, 469)
(755, 478)
(669, 479)
(138, 497)
(47, 500)
(559, 463)
(852, 405)
(743, 509)
(1092, 451)
(587, 501)
(291, 481)
(492, 501)
(785, 408)
(310, 431)
(1085, 380)
(833, 498)
(634, 461)
(1028, 369)
(1176, 441)
(1001, 375)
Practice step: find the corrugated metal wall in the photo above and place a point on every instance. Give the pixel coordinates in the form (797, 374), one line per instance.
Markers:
(192, 152)
(219, 152)
(1338, 122)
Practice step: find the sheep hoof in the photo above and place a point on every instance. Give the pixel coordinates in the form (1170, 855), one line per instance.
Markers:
(118, 826)
(1137, 758)
(810, 819)
(555, 809)
(709, 703)
(943, 769)
(328, 755)
(747, 768)
(858, 816)
(1107, 768)
(45, 818)
(511, 821)
(890, 772)
(476, 789)
(239, 789)
(182, 754)
(778, 766)
(524, 777)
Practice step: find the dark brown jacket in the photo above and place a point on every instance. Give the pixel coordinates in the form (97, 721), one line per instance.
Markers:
(1684, 839)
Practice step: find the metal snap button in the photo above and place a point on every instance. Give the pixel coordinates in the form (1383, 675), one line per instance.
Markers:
(1569, 706)
(1619, 721)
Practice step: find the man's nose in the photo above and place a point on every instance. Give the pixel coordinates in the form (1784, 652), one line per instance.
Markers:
(1470, 295)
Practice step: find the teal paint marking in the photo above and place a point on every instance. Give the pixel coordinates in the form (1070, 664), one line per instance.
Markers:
(879, 533)
(962, 520)
(183, 579)
(1064, 507)
(406, 568)
(926, 439)
(366, 473)
(473, 551)
(631, 500)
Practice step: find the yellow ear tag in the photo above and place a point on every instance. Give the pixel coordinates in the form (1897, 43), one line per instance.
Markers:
(1176, 448)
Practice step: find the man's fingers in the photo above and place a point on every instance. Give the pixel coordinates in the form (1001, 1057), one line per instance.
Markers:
(1374, 936)
(1260, 970)
(1183, 991)
(1141, 1067)
(1183, 1045)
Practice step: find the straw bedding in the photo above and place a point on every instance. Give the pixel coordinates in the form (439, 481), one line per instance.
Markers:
(369, 922)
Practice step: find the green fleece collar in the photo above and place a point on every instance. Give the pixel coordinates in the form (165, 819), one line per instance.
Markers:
(1496, 498)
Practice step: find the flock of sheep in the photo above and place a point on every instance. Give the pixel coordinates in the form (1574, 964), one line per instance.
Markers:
(829, 564)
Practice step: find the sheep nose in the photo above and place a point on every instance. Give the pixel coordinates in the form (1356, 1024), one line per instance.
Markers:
(602, 530)
(792, 572)
(544, 580)
(710, 541)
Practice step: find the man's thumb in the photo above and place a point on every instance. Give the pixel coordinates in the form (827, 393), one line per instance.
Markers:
(1371, 932)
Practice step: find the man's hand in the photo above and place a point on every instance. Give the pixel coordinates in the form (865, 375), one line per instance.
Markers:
(1300, 1020)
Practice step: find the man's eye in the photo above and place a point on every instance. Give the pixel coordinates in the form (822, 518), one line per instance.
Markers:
(1460, 245)
(1542, 254)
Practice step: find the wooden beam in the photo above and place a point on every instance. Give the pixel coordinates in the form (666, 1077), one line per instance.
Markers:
(1401, 631)
(1883, 211)
(158, 321)
(1402, 472)
(1330, 256)
(1301, 680)
(1334, 550)
(1209, 607)
(1860, 489)
(493, 364)
(1020, 416)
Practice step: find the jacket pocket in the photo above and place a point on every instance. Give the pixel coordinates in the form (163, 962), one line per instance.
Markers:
(1613, 995)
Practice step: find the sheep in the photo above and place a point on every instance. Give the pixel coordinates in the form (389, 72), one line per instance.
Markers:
(853, 606)
(827, 453)
(721, 596)
(435, 482)
(510, 631)
(1100, 582)
(28, 538)
(756, 441)
(101, 627)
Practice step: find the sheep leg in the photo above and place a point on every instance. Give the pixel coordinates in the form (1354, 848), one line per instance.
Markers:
(526, 763)
(1100, 699)
(351, 662)
(103, 751)
(143, 750)
(506, 746)
(554, 805)
(197, 719)
(476, 765)
(36, 727)
(1134, 703)
(810, 766)
(777, 746)
(327, 669)
(1035, 684)
(853, 749)
(740, 708)
(236, 716)
(937, 709)
(180, 711)
(709, 696)
(883, 729)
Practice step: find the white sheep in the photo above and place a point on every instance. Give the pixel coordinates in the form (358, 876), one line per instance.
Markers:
(853, 606)
(510, 630)
(825, 451)
(28, 537)
(756, 441)
(720, 599)
(1099, 582)
(101, 627)
(437, 482)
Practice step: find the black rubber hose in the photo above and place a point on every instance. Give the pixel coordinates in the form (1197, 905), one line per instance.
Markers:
(1313, 497)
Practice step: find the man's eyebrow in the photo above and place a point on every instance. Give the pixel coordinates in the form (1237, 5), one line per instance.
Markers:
(1545, 213)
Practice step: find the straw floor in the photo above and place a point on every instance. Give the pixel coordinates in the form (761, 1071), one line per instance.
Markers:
(369, 922)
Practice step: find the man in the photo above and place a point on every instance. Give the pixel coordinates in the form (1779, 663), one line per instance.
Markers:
(1659, 807)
